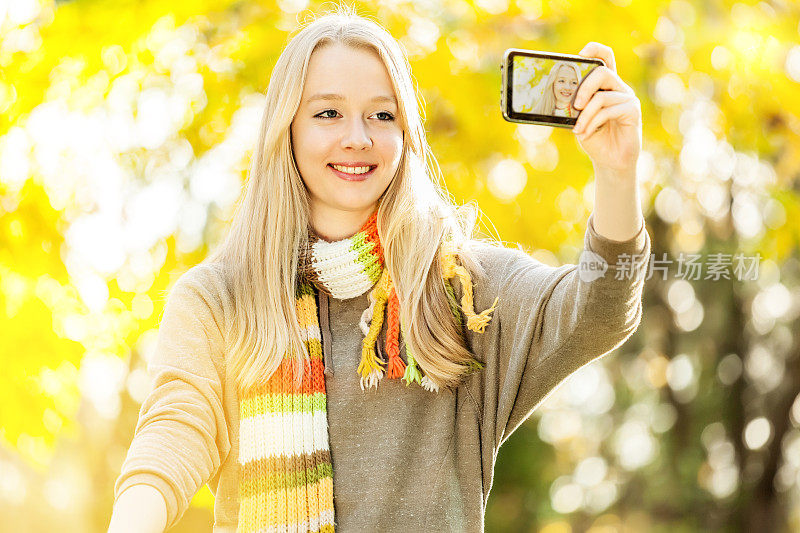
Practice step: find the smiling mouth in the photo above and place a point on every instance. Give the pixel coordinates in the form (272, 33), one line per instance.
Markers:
(353, 177)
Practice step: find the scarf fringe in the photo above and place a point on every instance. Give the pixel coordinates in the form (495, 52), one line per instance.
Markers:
(450, 270)
(397, 367)
(384, 296)
(412, 373)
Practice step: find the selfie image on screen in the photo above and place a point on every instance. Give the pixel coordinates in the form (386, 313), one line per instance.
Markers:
(547, 86)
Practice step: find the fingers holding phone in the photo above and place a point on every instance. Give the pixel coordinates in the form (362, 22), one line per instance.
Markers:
(609, 128)
(601, 89)
(582, 92)
(600, 51)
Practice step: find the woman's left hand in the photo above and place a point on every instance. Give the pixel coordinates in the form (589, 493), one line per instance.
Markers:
(609, 126)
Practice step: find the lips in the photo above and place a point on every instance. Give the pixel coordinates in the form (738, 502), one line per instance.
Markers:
(353, 177)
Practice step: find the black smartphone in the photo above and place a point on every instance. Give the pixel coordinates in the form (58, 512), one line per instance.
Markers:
(540, 87)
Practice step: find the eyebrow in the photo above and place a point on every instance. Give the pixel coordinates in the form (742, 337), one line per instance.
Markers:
(334, 96)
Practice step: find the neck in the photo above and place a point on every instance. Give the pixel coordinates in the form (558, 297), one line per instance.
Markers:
(335, 225)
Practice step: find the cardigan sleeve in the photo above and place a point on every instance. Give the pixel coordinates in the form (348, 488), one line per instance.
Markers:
(181, 436)
(549, 322)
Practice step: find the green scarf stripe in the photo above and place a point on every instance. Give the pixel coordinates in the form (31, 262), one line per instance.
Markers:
(309, 343)
(292, 480)
(304, 288)
(371, 264)
(279, 403)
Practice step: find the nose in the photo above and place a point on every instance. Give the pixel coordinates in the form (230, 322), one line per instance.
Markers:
(356, 135)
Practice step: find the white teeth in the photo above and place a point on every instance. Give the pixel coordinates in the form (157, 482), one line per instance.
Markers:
(351, 170)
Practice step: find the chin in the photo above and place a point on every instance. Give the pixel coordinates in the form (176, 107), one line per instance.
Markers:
(352, 203)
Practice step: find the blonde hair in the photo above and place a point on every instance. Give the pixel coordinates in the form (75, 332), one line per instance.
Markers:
(259, 254)
(547, 102)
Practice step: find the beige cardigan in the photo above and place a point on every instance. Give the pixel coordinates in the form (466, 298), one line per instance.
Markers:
(404, 459)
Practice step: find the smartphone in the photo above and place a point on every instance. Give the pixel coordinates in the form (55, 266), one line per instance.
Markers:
(540, 87)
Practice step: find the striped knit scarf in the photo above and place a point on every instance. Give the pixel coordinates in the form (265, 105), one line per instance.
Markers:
(286, 475)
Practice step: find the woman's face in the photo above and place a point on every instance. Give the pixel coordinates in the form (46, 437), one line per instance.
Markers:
(565, 86)
(354, 124)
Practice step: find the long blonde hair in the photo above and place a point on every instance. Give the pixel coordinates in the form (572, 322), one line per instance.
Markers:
(259, 254)
(547, 102)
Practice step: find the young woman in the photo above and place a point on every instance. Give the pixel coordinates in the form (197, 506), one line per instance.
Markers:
(326, 368)
(559, 87)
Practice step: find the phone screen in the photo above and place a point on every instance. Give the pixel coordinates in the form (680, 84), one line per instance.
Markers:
(540, 87)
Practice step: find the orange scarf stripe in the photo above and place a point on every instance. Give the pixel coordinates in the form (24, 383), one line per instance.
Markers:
(371, 235)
